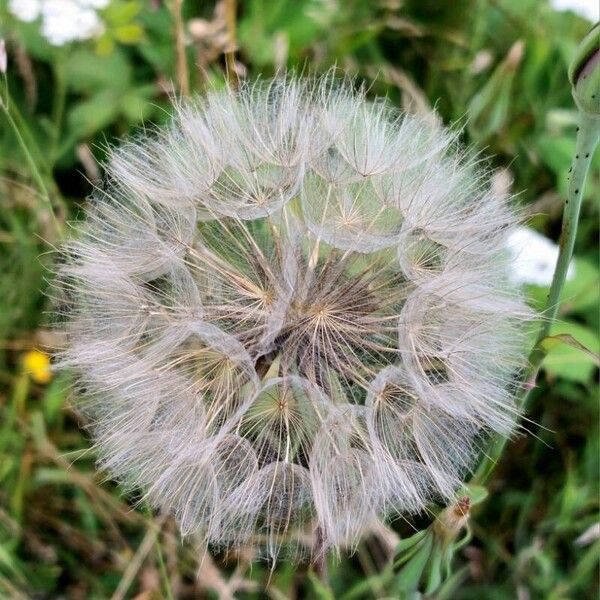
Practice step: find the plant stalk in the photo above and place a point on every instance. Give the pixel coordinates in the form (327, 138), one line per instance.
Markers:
(587, 140)
(39, 180)
(588, 136)
(231, 28)
(58, 108)
(183, 76)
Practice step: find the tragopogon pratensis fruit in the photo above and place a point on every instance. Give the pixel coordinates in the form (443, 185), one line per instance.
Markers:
(290, 310)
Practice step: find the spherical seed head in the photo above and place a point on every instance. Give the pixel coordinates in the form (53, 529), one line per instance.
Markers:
(289, 310)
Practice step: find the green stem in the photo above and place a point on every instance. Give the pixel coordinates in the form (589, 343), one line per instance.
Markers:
(587, 140)
(163, 568)
(588, 137)
(58, 108)
(41, 160)
(159, 554)
(35, 172)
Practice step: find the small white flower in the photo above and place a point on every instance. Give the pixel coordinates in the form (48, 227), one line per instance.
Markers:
(25, 10)
(534, 257)
(63, 21)
(97, 4)
(588, 9)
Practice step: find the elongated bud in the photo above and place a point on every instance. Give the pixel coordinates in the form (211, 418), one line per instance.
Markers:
(423, 561)
(3, 59)
(584, 74)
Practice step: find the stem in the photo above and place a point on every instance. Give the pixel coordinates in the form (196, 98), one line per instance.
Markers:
(32, 165)
(29, 146)
(162, 567)
(58, 108)
(158, 523)
(230, 24)
(41, 160)
(588, 136)
(587, 140)
(183, 77)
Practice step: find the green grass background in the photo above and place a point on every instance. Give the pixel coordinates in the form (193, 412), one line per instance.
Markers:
(499, 67)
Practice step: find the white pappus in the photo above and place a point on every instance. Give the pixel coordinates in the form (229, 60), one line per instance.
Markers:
(290, 310)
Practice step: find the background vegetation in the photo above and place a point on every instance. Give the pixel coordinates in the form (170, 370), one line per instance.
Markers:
(499, 67)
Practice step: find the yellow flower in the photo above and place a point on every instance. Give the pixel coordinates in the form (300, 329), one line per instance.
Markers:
(37, 365)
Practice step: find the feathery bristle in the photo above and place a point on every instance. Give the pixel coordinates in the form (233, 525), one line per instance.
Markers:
(290, 309)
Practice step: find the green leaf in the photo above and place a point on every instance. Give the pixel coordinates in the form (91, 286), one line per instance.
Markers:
(88, 517)
(44, 476)
(409, 542)
(476, 493)
(569, 361)
(556, 152)
(552, 341)
(137, 104)
(267, 20)
(321, 591)
(7, 464)
(450, 587)
(105, 45)
(10, 562)
(489, 108)
(90, 116)
(54, 399)
(86, 71)
(129, 34)
(121, 13)
(408, 578)
(434, 573)
(583, 289)
(365, 587)
(157, 47)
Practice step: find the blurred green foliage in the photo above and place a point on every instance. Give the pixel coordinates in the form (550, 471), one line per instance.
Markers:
(498, 67)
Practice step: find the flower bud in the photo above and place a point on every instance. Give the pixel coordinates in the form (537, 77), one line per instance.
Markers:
(584, 74)
(3, 59)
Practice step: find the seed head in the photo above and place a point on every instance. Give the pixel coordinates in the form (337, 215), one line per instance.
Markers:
(290, 309)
